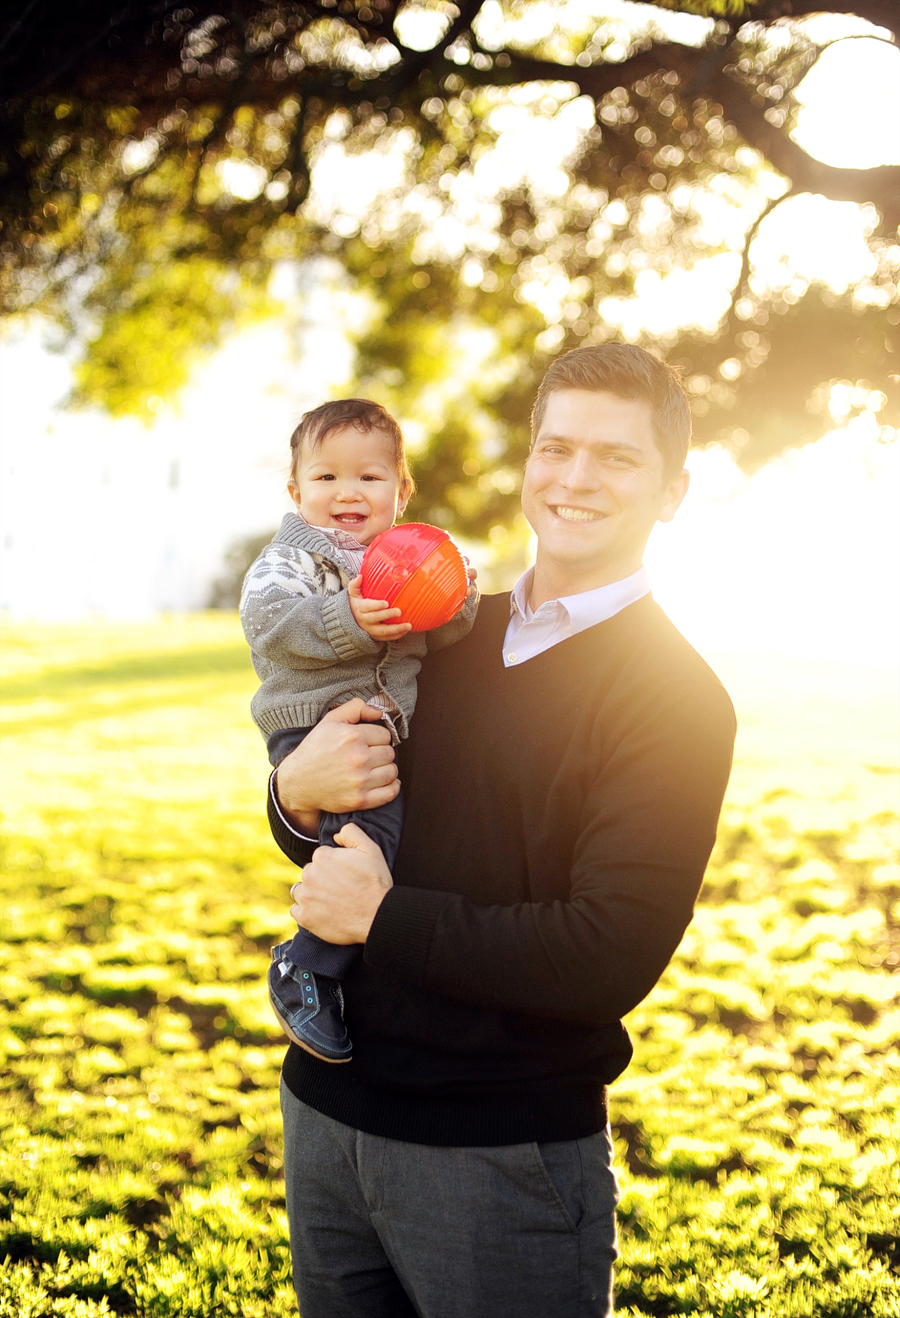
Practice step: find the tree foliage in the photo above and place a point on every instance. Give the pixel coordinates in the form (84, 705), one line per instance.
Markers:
(158, 159)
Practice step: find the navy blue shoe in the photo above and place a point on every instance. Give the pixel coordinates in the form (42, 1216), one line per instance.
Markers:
(309, 1008)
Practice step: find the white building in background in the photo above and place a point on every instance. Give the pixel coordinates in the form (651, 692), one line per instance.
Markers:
(115, 517)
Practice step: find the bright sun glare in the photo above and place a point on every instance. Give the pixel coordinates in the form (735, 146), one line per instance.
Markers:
(800, 558)
(868, 137)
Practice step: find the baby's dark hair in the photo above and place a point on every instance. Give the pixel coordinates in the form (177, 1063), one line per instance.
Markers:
(360, 413)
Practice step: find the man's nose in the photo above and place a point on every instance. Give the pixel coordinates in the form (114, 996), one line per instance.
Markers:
(581, 473)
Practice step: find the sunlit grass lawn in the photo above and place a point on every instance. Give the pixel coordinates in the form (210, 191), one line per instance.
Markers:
(141, 1152)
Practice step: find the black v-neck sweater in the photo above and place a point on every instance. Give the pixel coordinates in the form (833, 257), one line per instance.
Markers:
(559, 817)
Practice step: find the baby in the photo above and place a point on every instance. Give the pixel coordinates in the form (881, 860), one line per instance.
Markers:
(317, 642)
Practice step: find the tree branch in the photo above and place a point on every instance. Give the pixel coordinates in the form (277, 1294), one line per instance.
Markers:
(882, 13)
(744, 275)
(879, 185)
(593, 79)
(104, 79)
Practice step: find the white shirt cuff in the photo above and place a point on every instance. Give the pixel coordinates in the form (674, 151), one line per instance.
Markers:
(277, 804)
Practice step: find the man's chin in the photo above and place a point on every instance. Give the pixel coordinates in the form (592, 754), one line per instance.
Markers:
(578, 541)
(589, 566)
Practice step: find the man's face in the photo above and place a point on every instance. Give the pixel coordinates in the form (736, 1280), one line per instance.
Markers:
(593, 490)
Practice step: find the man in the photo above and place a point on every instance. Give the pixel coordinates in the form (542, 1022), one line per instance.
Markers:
(563, 779)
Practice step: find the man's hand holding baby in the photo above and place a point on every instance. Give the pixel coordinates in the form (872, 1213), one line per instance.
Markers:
(375, 617)
(346, 763)
(342, 888)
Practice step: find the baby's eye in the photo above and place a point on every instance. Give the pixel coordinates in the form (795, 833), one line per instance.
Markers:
(372, 478)
(326, 476)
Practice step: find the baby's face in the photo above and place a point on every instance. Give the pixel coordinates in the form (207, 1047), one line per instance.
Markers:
(349, 481)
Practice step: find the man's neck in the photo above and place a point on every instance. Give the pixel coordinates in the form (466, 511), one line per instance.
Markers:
(548, 583)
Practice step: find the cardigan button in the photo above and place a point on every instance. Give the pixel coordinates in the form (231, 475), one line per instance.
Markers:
(512, 657)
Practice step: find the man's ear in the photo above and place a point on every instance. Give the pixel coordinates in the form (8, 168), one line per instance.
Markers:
(675, 491)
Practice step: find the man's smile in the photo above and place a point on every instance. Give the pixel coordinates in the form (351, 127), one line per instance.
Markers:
(569, 514)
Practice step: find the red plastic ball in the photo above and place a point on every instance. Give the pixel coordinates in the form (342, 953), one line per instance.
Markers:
(418, 569)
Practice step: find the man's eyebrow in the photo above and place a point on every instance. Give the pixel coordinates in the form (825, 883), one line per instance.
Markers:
(620, 445)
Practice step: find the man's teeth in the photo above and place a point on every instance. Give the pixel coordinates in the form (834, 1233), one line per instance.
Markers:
(577, 515)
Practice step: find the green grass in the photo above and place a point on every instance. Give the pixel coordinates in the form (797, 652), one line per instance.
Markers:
(140, 1149)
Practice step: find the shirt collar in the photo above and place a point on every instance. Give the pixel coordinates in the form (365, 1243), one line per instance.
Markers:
(586, 608)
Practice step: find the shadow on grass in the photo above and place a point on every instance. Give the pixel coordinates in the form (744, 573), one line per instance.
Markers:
(84, 692)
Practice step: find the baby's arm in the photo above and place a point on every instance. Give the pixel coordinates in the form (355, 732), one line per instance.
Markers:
(375, 616)
(287, 619)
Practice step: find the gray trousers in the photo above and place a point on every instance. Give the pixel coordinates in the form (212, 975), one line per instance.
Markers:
(385, 1229)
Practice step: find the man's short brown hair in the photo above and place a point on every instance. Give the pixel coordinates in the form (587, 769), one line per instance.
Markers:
(628, 372)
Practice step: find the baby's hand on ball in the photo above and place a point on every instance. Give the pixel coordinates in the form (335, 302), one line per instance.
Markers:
(471, 573)
(375, 617)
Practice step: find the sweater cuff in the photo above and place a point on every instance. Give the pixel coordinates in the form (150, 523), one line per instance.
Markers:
(343, 632)
(296, 846)
(402, 931)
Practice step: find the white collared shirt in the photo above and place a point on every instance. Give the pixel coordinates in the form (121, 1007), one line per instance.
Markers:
(531, 633)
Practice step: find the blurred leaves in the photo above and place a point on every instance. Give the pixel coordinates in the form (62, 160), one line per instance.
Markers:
(452, 363)
(153, 327)
(157, 162)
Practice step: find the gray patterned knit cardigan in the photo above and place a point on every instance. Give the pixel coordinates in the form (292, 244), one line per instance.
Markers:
(308, 650)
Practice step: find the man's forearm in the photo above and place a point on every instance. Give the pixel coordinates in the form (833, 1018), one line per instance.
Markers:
(575, 961)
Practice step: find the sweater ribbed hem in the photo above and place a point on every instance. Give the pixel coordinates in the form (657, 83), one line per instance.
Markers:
(298, 716)
(403, 929)
(510, 1117)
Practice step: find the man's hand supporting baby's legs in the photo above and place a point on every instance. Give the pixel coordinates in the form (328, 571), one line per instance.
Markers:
(342, 888)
